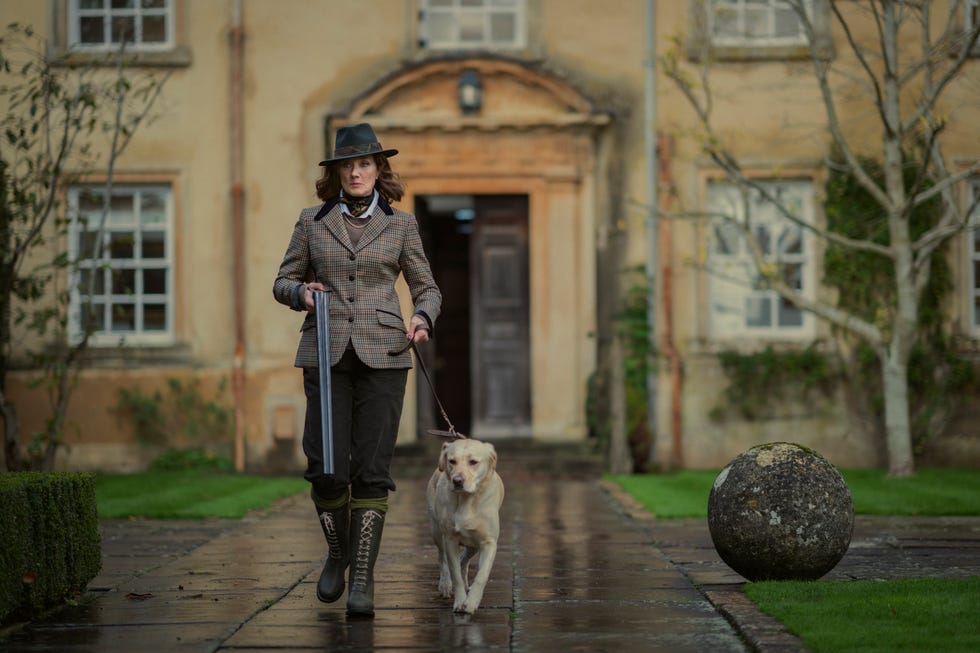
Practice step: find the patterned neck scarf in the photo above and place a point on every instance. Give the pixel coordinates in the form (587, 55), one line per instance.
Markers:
(357, 205)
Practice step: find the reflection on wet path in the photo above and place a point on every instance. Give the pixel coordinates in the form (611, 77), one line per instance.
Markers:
(572, 572)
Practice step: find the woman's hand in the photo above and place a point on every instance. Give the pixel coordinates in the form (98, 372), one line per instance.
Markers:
(418, 329)
(308, 294)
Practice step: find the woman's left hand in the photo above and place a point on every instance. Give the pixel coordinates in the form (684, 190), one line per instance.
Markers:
(418, 329)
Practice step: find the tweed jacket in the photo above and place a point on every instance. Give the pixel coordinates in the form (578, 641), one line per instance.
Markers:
(364, 307)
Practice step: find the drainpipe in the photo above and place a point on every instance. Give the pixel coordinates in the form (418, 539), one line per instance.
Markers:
(236, 36)
(664, 152)
(651, 226)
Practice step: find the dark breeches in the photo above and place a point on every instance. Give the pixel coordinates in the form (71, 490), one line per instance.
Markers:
(367, 406)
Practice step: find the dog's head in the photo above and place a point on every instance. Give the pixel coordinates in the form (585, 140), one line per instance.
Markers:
(467, 463)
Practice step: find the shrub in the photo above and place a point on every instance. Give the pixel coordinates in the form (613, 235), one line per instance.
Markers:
(49, 542)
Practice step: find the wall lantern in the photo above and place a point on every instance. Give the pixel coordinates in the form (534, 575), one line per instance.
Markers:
(470, 92)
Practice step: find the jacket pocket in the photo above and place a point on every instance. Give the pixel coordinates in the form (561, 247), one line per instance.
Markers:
(308, 323)
(393, 320)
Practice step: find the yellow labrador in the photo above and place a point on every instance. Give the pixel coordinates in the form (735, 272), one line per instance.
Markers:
(464, 497)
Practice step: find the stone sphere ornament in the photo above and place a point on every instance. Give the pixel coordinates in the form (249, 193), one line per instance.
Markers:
(780, 511)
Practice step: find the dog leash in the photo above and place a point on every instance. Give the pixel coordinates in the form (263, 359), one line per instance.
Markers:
(452, 432)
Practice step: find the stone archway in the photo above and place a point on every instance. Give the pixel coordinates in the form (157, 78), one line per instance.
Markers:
(535, 136)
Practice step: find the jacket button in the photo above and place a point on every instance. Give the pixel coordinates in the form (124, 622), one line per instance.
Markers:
(351, 298)
(350, 278)
(352, 257)
(350, 319)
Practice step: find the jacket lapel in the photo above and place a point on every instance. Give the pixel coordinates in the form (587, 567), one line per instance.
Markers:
(380, 219)
(332, 218)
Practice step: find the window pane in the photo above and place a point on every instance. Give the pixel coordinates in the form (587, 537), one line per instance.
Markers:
(440, 28)
(152, 208)
(756, 23)
(793, 273)
(88, 245)
(153, 245)
(757, 312)
(790, 240)
(155, 282)
(976, 273)
(471, 28)
(95, 277)
(726, 239)
(123, 29)
(123, 4)
(976, 241)
(503, 27)
(121, 245)
(90, 29)
(93, 316)
(976, 310)
(154, 4)
(725, 23)
(120, 210)
(91, 4)
(123, 282)
(154, 29)
(787, 24)
(154, 317)
(123, 317)
(762, 236)
(789, 315)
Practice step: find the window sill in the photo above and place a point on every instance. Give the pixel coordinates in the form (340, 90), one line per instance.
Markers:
(179, 57)
(132, 356)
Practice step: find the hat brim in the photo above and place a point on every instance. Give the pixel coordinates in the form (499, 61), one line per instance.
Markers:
(388, 153)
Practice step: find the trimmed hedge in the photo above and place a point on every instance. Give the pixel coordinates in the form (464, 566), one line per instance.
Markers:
(49, 539)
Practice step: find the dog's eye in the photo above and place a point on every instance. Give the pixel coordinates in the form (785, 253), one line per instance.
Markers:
(452, 461)
(474, 463)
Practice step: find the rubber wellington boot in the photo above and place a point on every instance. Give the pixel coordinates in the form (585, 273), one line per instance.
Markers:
(336, 528)
(365, 532)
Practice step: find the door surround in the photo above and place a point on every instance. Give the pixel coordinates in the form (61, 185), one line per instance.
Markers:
(537, 136)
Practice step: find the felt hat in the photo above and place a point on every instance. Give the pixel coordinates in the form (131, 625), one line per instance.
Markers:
(355, 141)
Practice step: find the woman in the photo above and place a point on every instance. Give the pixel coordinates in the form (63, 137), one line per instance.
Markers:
(354, 246)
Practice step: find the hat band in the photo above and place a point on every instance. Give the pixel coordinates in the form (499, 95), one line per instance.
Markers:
(370, 148)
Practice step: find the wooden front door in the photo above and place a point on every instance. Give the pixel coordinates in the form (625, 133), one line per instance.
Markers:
(500, 316)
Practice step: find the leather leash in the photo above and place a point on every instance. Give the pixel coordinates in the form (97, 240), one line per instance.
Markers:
(452, 432)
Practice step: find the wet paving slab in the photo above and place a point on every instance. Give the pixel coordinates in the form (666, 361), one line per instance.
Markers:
(578, 568)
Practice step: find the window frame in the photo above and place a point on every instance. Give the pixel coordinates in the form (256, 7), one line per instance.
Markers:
(719, 328)
(76, 13)
(62, 52)
(138, 337)
(699, 42)
(522, 11)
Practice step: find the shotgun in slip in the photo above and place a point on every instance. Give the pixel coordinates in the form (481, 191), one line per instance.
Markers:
(321, 301)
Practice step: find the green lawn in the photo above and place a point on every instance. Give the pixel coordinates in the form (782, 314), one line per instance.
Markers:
(190, 494)
(917, 614)
(928, 492)
(923, 614)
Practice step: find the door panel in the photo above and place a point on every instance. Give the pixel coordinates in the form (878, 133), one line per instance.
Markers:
(500, 318)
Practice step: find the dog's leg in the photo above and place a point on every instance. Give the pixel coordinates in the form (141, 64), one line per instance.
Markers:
(464, 563)
(445, 579)
(453, 553)
(487, 553)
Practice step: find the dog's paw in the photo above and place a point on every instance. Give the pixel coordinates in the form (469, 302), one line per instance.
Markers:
(462, 608)
(459, 605)
(469, 606)
(445, 590)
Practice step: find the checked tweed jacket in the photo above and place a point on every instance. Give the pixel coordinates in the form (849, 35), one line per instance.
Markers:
(364, 307)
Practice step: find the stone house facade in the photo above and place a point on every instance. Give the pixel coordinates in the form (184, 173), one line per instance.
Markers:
(525, 145)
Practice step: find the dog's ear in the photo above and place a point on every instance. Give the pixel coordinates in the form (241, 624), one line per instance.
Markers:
(442, 456)
(491, 457)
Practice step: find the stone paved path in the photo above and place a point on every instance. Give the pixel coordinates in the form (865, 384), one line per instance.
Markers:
(579, 569)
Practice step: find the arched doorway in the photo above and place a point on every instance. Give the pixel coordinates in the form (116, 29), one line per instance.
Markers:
(515, 346)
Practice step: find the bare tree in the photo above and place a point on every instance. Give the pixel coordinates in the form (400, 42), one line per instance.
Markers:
(911, 134)
(61, 124)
